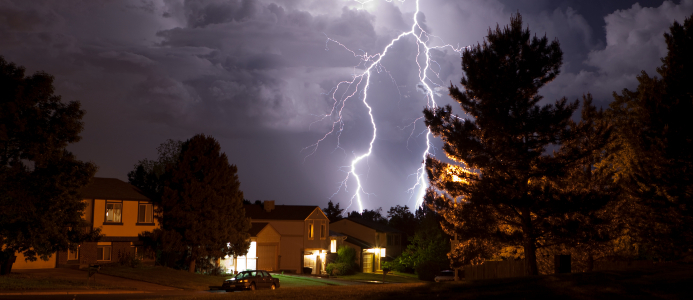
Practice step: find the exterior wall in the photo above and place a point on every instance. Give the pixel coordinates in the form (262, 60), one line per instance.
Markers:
(356, 230)
(394, 250)
(21, 264)
(129, 226)
(269, 237)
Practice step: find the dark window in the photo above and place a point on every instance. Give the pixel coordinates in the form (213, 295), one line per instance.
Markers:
(146, 213)
(322, 231)
(103, 253)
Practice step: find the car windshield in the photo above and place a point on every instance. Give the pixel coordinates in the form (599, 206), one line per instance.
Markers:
(242, 275)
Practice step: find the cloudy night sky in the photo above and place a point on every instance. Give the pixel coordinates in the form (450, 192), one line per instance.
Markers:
(260, 75)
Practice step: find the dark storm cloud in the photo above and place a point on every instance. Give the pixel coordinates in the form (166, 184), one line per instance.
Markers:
(257, 74)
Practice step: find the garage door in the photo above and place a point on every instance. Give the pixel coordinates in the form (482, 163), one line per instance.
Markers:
(266, 257)
(368, 263)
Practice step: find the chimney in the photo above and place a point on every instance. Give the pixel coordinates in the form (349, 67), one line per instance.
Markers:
(268, 205)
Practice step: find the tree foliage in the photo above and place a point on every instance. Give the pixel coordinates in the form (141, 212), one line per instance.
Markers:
(374, 215)
(504, 186)
(40, 181)
(333, 212)
(201, 204)
(652, 154)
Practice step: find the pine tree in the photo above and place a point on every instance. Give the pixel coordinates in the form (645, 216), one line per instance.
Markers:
(333, 212)
(505, 188)
(202, 204)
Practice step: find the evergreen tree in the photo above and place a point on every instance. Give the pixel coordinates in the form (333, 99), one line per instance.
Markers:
(148, 175)
(333, 212)
(653, 151)
(202, 208)
(401, 218)
(505, 188)
(40, 181)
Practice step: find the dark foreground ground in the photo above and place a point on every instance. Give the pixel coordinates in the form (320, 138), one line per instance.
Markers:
(671, 282)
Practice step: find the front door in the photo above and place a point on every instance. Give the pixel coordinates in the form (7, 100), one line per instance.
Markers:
(368, 263)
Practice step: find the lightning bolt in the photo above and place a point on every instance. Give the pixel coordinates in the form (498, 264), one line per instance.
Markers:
(347, 90)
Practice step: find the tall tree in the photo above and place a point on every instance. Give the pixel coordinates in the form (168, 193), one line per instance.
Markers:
(333, 212)
(40, 204)
(400, 217)
(148, 175)
(653, 150)
(504, 186)
(202, 204)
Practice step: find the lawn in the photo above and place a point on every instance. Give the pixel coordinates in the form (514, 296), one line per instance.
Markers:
(186, 280)
(389, 278)
(23, 282)
(671, 282)
(166, 276)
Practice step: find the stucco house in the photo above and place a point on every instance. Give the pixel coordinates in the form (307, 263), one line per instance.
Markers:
(303, 236)
(373, 241)
(263, 253)
(122, 212)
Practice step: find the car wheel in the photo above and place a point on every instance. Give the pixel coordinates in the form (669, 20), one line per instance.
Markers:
(252, 286)
(274, 287)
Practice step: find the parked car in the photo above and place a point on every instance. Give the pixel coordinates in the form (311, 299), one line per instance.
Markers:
(447, 275)
(251, 280)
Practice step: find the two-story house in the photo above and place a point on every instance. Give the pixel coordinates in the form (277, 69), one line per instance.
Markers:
(372, 240)
(122, 212)
(303, 231)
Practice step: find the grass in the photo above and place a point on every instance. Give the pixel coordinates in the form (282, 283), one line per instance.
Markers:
(671, 282)
(288, 281)
(166, 276)
(23, 282)
(390, 277)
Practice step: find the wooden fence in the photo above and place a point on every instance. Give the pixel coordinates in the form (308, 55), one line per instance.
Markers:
(496, 269)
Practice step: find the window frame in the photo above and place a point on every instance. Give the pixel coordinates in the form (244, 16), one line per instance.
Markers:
(323, 230)
(105, 213)
(76, 252)
(102, 248)
(149, 212)
(311, 230)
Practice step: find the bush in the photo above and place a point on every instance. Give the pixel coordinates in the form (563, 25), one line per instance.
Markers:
(428, 270)
(128, 259)
(346, 255)
(336, 269)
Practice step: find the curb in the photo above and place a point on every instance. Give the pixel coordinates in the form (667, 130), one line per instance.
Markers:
(72, 293)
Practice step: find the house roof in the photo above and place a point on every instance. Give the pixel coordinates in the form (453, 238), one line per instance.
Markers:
(280, 212)
(374, 225)
(111, 189)
(361, 243)
(255, 228)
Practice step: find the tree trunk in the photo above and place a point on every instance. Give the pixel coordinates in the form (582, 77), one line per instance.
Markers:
(531, 257)
(191, 268)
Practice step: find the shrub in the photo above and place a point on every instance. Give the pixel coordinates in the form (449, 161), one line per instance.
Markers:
(346, 255)
(428, 270)
(336, 269)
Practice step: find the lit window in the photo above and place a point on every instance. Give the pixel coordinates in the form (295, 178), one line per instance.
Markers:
(310, 231)
(146, 213)
(114, 212)
(333, 246)
(103, 253)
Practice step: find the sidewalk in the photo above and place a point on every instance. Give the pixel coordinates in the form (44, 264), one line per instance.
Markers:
(120, 285)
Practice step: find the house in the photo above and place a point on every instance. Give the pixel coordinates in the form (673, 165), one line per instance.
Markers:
(303, 236)
(122, 212)
(262, 254)
(373, 241)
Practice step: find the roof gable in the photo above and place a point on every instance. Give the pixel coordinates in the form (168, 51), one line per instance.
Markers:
(111, 189)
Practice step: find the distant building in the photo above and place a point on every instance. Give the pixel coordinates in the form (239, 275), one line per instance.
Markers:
(302, 240)
(373, 242)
